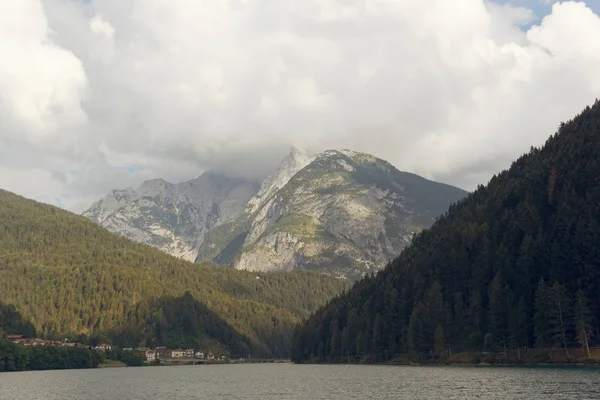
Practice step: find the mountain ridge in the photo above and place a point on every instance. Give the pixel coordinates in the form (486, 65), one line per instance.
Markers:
(307, 195)
(319, 219)
(173, 217)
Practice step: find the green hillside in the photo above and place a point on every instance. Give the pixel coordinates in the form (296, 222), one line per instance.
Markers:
(68, 276)
(514, 266)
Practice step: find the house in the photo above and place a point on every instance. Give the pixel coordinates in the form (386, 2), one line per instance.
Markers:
(15, 338)
(189, 353)
(161, 352)
(211, 356)
(179, 353)
(103, 347)
(31, 342)
(150, 355)
(19, 339)
(200, 355)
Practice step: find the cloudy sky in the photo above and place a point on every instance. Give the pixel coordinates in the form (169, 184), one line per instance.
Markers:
(102, 94)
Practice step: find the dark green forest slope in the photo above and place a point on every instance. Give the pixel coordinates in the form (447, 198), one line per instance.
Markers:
(516, 263)
(68, 276)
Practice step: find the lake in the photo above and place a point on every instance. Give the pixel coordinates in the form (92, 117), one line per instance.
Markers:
(288, 381)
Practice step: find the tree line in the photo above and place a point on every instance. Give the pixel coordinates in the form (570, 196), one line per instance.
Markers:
(14, 357)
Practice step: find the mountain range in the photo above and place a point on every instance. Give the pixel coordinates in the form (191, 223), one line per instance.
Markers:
(342, 213)
(510, 268)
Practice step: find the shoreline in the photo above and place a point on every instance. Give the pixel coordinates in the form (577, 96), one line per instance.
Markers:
(595, 364)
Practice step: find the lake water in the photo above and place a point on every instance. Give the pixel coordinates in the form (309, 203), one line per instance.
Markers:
(287, 381)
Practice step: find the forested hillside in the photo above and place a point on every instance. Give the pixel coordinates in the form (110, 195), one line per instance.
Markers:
(68, 276)
(13, 323)
(516, 264)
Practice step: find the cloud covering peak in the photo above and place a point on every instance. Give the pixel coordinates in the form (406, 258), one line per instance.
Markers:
(103, 94)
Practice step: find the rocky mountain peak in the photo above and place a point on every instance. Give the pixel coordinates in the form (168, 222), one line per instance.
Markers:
(153, 187)
(295, 152)
(345, 213)
(293, 162)
(116, 199)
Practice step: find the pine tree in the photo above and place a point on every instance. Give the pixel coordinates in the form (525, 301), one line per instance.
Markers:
(457, 336)
(361, 344)
(335, 338)
(498, 310)
(394, 321)
(377, 340)
(519, 326)
(583, 321)
(541, 317)
(418, 331)
(560, 316)
(321, 351)
(439, 342)
(345, 347)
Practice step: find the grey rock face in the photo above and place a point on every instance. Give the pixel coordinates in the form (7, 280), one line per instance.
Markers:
(173, 217)
(345, 214)
(291, 164)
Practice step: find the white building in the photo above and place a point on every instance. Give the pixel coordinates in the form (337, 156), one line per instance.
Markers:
(150, 356)
(177, 353)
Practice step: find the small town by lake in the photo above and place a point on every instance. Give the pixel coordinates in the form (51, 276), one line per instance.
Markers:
(289, 381)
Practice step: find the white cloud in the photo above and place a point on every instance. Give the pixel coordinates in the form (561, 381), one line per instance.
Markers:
(103, 46)
(451, 90)
(100, 26)
(41, 84)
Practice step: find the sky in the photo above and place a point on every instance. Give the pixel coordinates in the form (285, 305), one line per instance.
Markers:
(103, 94)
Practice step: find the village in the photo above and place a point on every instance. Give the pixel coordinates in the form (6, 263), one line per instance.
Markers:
(161, 354)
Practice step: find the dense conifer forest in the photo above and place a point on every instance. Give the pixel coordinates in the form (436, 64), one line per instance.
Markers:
(515, 265)
(14, 357)
(64, 276)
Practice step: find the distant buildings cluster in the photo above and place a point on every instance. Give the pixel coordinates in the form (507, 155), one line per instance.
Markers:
(165, 353)
(19, 339)
(151, 355)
